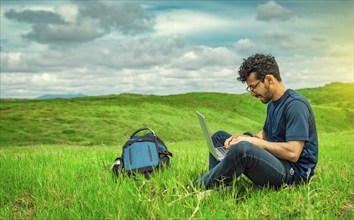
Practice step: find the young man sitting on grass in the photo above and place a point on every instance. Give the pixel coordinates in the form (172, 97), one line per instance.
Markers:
(285, 151)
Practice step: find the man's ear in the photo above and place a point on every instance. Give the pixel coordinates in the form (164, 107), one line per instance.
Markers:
(270, 79)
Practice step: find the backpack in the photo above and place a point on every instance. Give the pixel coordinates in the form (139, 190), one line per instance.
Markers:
(142, 154)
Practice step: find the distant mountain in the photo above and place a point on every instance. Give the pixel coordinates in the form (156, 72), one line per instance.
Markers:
(60, 96)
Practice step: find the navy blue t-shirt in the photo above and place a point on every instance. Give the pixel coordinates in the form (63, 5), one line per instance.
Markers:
(291, 118)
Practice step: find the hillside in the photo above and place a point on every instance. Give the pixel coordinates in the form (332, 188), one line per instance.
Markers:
(109, 120)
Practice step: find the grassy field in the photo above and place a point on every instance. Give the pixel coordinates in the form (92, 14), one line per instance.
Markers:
(55, 157)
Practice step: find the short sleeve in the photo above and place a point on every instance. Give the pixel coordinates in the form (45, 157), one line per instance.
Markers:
(265, 126)
(297, 121)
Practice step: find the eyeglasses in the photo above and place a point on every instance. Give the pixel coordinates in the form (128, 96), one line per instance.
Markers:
(251, 88)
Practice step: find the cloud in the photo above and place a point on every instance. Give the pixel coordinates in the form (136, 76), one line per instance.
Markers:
(148, 65)
(144, 53)
(272, 11)
(92, 20)
(189, 22)
(153, 50)
(64, 34)
(301, 71)
(35, 17)
(245, 46)
(135, 53)
(128, 18)
(200, 57)
(279, 38)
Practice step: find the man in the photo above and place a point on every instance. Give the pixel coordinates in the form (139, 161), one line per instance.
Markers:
(285, 151)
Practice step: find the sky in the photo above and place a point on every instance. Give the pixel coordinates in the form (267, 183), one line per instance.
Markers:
(169, 47)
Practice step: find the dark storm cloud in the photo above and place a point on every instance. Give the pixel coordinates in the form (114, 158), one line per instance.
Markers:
(94, 19)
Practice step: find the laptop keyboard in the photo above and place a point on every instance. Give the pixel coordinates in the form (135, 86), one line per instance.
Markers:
(222, 150)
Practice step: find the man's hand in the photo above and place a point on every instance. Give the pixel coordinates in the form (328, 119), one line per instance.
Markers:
(234, 139)
(290, 150)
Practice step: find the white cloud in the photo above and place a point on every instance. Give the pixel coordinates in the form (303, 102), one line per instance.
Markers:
(203, 56)
(245, 45)
(279, 38)
(190, 49)
(68, 11)
(149, 67)
(272, 11)
(188, 22)
(43, 79)
(301, 71)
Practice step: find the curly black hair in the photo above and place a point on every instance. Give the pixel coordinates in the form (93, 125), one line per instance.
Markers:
(261, 64)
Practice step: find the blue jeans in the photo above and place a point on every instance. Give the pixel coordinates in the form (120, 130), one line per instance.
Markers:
(260, 166)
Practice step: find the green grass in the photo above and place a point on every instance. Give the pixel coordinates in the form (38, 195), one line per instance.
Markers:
(55, 158)
(75, 182)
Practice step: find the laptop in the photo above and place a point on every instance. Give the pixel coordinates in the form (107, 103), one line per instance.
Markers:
(218, 152)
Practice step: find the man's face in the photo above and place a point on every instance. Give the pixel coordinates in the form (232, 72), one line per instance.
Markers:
(257, 88)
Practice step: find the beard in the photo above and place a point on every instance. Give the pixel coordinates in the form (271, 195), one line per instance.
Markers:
(263, 99)
(265, 96)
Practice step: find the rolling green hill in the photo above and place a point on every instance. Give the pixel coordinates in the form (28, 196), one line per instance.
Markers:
(59, 179)
(109, 120)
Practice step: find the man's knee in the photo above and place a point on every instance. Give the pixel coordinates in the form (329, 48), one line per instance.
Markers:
(243, 148)
(244, 152)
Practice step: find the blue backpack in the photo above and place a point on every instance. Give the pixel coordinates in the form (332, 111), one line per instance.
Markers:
(142, 154)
